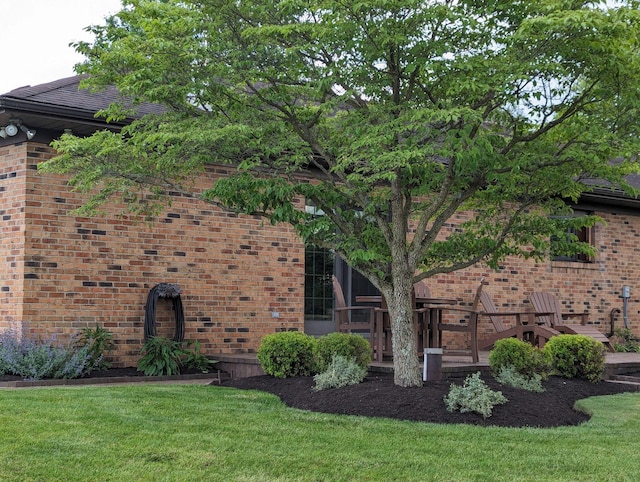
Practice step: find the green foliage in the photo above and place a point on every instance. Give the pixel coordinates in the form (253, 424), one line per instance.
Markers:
(473, 396)
(351, 106)
(510, 376)
(624, 341)
(344, 344)
(160, 356)
(9, 346)
(340, 372)
(520, 355)
(287, 354)
(576, 356)
(99, 343)
(373, 128)
(194, 359)
(35, 359)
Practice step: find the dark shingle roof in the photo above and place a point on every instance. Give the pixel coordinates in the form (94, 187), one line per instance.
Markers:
(66, 93)
(61, 105)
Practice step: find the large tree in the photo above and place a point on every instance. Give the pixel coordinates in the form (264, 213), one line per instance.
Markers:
(388, 116)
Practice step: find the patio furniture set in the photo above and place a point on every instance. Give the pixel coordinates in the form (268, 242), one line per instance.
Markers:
(430, 316)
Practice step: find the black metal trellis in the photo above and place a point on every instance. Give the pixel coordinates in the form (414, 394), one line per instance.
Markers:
(168, 291)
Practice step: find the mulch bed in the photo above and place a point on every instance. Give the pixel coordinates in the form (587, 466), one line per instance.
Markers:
(377, 396)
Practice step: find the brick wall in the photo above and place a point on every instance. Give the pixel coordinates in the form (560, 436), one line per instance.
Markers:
(236, 272)
(595, 287)
(12, 203)
(61, 272)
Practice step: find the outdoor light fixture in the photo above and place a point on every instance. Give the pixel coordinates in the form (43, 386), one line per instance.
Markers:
(29, 132)
(9, 130)
(13, 127)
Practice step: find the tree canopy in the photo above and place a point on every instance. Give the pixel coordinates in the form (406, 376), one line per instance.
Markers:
(388, 117)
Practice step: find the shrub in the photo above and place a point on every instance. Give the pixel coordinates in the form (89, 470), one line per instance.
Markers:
(520, 355)
(287, 354)
(38, 360)
(511, 377)
(98, 343)
(9, 350)
(473, 396)
(160, 356)
(576, 356)
(343, 344)
(34, 359)
(74, 363)
(510, 352)
(342, 371)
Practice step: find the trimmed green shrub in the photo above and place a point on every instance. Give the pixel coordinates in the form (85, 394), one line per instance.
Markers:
(511, 377)
(576, 356)
(522, 356)
(344, 344)
(287, 354)
(342, 371)
(473, 396)
(160, 356)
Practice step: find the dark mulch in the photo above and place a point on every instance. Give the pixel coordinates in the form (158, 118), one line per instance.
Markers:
(377, 396)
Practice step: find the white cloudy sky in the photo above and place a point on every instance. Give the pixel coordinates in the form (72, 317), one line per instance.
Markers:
(35, 37)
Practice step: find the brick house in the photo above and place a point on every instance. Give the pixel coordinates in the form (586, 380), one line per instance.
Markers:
(240, 278)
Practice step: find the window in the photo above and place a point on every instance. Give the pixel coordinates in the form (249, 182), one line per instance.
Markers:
(583, 235)
(318, 286)
(320, 266)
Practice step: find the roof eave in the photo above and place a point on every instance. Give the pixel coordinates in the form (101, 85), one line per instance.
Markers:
(57, 111)
(610, 197)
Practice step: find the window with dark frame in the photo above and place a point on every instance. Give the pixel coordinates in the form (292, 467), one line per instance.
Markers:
(318, 286)
(320, 266)
(583, 235)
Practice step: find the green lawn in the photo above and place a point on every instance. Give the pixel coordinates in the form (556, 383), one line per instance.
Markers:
(200, 432)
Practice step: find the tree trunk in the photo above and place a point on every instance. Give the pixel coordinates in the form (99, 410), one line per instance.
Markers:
(406, 365)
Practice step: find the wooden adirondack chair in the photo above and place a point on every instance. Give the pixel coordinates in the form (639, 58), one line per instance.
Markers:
(421, 290)
(548, 303)
(343, 315)
(525, 327)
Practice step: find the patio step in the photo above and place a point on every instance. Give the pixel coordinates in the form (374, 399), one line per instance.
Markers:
(629, 379)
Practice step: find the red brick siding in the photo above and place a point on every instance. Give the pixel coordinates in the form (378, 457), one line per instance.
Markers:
(62, 272)
(234, 271)
(595, 287)
(12, 201)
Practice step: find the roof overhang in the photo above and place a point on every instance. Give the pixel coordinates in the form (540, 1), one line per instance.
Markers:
(54, 119)
(61, 105)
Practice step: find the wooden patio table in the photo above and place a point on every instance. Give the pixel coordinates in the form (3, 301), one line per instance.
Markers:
(432, 306)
